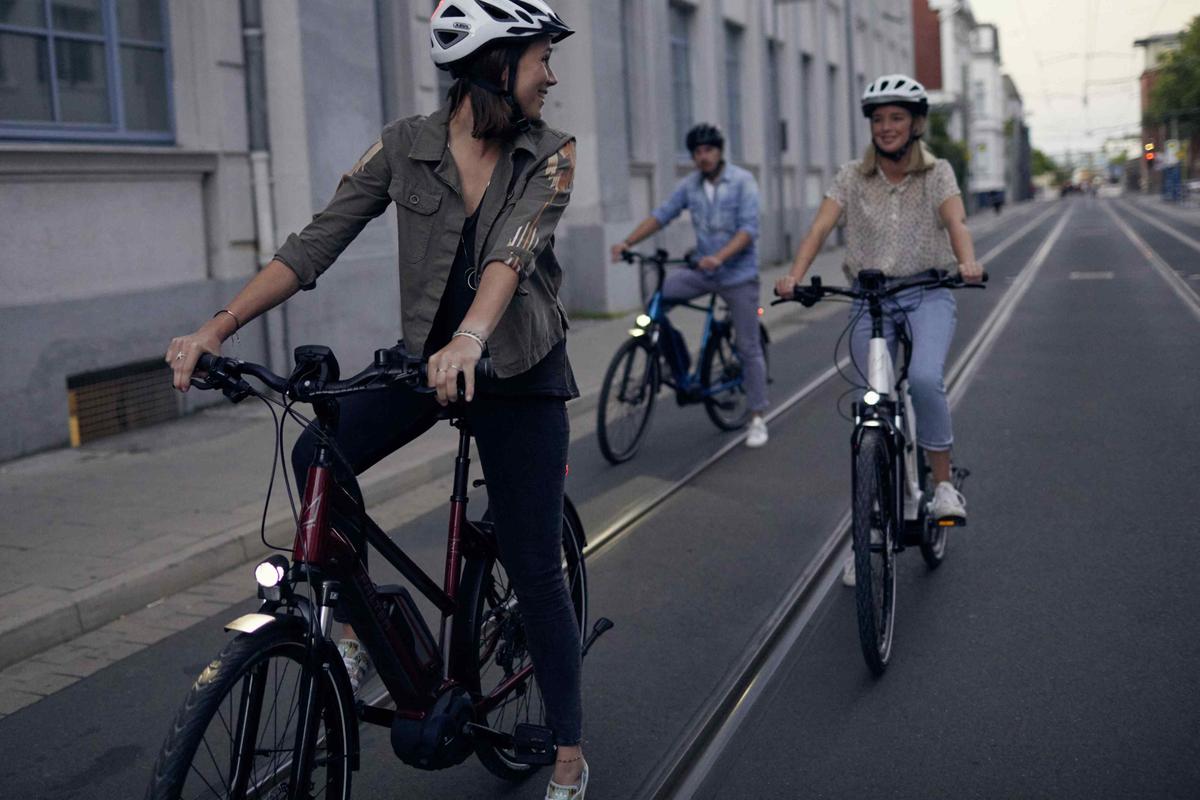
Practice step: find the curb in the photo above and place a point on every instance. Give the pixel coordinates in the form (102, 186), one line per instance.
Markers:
(48, 624)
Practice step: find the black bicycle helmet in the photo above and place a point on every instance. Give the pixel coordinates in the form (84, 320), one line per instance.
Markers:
(705, 134)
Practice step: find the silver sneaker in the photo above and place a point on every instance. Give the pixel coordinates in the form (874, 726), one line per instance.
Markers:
(758, 433)
(947, 502)
(356, 660)
(556, 791)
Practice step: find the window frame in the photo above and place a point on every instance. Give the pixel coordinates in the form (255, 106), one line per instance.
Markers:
(114, 43)
(735, 40)
(683, 109)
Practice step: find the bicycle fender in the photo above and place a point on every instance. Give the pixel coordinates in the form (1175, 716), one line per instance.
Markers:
(330, 659)
(249, 623)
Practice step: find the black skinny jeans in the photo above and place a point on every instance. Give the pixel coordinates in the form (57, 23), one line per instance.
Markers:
(522, 444)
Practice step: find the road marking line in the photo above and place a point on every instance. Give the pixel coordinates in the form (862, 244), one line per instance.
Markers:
(1177, 284)
(1183, 237)
(682, 776)
(1092, 276)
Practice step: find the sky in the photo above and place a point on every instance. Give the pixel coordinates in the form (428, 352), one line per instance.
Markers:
(1043, 45)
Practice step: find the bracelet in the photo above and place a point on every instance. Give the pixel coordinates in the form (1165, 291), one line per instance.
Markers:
(236, 321)
(479, 340)
(568, 760)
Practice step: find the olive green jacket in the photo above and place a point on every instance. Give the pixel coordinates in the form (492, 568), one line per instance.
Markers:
(411, 166)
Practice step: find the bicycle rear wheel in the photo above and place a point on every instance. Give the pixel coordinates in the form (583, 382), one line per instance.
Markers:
(236, 734)
(627, 400)
(874, 530)
(490, 646)
(933, 537)
(721, 374)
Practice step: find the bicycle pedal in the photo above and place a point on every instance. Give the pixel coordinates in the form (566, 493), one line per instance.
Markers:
(533, 744)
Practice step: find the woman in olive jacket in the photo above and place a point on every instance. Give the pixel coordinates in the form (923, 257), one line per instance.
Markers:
(479, 187)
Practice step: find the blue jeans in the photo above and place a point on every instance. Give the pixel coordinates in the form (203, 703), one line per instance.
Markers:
(930, 316)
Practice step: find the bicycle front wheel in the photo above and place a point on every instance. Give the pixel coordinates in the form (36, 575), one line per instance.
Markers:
(874, 529)
(490, 649)
(236, 735)
(627, 400)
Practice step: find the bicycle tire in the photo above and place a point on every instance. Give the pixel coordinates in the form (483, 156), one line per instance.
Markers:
(874, 555)
(488, 632)
(251, 656)
(729, 410)
(933, 537)
(622, 435)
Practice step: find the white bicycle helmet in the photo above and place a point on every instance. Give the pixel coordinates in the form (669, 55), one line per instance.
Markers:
(898, 90)
(459, 28)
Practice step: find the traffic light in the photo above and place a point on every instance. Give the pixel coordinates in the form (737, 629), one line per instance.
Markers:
(1149, 147)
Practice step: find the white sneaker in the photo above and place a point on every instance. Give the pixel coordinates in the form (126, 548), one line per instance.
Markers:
(947, 502)
(758, 432)
(848, 573)
(556, 791)
(356, 660)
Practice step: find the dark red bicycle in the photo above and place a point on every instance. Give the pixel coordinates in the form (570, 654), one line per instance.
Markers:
(274, 715)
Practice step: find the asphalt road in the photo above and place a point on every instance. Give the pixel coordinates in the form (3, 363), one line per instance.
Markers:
(1081, 373)
(1053, 655)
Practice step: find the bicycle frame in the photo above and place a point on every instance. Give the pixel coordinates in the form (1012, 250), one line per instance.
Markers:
(687, 385)
(891, 410)
(324, 552)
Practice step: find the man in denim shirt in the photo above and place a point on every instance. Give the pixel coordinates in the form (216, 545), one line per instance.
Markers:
(723, 201)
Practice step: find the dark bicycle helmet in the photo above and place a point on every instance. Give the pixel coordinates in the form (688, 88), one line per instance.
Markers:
(705, 134)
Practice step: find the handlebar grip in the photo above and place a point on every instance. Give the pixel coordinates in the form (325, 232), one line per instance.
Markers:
(206, 362)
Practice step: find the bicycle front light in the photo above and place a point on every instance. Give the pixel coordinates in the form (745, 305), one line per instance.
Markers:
(871, 397)
(270, 573)
(643, 321)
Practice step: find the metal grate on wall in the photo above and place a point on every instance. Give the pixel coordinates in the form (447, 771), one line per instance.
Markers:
(110, 401)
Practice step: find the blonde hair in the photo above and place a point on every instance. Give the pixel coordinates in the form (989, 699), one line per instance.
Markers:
(919, 158)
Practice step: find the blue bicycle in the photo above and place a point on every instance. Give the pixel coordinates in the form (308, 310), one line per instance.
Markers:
(656, 354)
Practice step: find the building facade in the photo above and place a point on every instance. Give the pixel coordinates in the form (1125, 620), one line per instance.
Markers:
(154, 152)
(988, 115)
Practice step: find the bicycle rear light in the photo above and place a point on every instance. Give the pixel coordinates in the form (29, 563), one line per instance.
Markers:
(270, 573)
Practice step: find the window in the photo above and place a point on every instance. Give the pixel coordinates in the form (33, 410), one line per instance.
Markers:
(733, 89)
(84, 69)
(831, 101)
(807, 116)
(627, 71)
(681, 73)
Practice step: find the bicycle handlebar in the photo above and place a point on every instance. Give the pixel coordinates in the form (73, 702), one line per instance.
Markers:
(660, 257)
(815, 291)
(306, 383)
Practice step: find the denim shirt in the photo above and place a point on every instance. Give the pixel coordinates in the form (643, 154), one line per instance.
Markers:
(734, 208)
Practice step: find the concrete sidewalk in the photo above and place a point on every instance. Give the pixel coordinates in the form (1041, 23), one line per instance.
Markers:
(103, 530)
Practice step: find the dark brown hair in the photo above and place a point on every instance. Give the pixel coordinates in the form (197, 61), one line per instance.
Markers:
(493, 114)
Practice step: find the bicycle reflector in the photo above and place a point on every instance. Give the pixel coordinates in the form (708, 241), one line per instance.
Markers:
(270, 573)
(871, 397)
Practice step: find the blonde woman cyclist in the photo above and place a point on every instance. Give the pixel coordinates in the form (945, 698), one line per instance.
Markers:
(903, 214)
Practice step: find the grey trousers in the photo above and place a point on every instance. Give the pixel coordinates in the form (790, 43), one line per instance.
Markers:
(688, 284)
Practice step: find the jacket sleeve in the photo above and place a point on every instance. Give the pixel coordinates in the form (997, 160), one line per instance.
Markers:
(361, 195)
(747, 215)
(527, 227)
